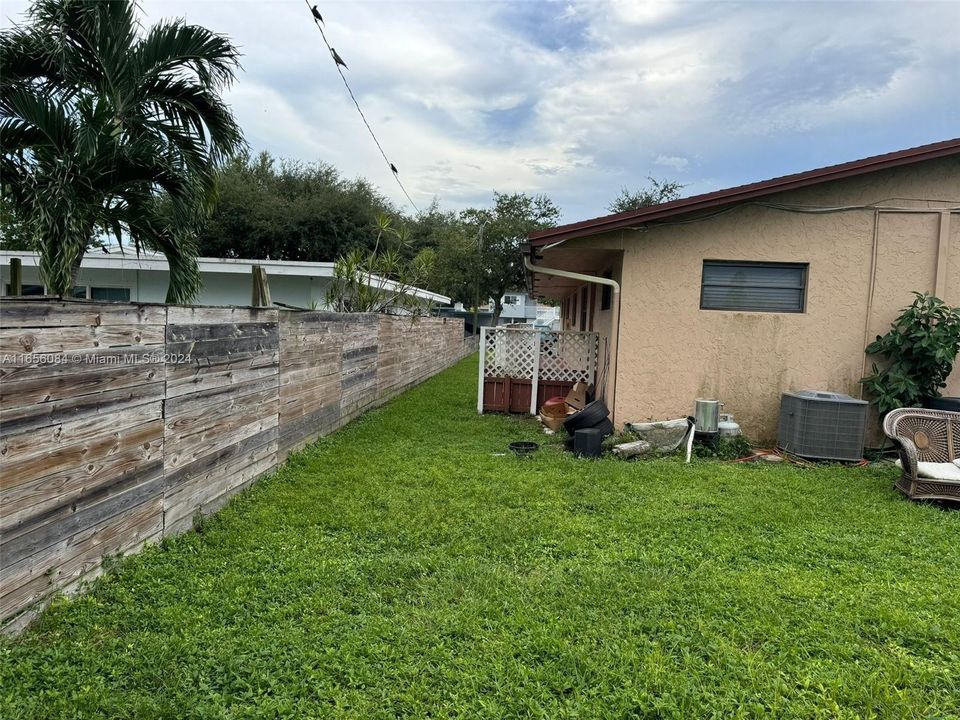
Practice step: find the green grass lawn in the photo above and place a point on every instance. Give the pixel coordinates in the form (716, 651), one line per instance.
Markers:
(406, 568)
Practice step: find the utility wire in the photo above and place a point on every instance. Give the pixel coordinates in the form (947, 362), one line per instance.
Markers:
(339, 64)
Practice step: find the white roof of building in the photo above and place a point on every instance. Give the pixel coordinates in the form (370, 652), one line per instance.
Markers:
(115, 259)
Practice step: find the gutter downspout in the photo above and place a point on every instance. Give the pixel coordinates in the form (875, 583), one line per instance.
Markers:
(614, 318)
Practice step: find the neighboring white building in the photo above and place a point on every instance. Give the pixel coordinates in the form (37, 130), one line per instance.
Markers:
(518, 308)
(126, 277)
(522, 308)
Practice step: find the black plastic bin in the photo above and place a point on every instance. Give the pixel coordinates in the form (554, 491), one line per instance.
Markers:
(588, 442)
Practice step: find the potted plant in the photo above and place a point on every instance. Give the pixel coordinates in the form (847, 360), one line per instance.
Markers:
(919, 352)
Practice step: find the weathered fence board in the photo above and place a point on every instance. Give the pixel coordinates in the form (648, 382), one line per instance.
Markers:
(81, 440)
(230, 395)
(32, 417)
(18, 393)
(120, 422)
(358, 377)
(63, 314)
(64, 339)
(311, 362)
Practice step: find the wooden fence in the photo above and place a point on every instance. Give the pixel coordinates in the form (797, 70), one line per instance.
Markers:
(119, 423)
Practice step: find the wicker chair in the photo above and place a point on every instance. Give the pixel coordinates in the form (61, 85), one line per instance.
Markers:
(925, 436)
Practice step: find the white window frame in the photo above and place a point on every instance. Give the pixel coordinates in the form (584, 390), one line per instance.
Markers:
(803, 267)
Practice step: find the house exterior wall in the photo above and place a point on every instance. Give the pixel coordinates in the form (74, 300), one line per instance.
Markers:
(218, 288)
(671, 351)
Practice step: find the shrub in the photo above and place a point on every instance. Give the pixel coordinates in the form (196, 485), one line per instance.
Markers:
(920, 350)
(724, 447)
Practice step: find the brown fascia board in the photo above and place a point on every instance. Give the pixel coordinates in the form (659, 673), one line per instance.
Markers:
(741, 193)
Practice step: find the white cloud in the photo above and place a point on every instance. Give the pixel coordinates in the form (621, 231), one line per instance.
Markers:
(671, 161)
(577, 99)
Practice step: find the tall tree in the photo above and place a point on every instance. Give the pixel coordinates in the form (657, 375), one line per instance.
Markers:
(287, 210)
(658, 191)
(109, 130)
(480, 258)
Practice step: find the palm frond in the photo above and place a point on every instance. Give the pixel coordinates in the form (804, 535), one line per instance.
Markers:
(150, 230)
(26, 56)
(33, 118)
(102, 131)
(172, 46)
(195, 108)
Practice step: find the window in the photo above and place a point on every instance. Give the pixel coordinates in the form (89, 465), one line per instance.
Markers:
(753, 286)
(26, 289)
(110, 294)
(606, 293)
(511, 300)
(80, 292)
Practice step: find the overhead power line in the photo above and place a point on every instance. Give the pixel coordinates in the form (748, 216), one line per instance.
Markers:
(340, 65)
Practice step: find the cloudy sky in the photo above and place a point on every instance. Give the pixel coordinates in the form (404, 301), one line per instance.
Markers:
(577, 99)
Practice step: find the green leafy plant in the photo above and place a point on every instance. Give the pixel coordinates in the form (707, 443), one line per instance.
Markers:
(724, 447)
(918, 352)
(381, 280)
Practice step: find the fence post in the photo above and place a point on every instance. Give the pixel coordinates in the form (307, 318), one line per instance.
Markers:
(535, 380)
(483, 359)
(261, 288)
(16, 277)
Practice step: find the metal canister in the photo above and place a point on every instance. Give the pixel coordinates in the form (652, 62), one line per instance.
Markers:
(706, 414)
(728, 427)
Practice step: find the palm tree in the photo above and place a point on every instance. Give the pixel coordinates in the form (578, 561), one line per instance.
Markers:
(105, 129)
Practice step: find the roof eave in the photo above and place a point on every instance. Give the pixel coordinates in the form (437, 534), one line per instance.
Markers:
(743, 193)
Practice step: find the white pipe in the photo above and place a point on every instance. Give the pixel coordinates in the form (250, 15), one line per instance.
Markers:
(614, 320)
(690, 435)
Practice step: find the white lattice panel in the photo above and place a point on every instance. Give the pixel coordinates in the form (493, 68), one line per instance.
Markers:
(537, 356)
(568, 356)
(509, 352)
(561, 356)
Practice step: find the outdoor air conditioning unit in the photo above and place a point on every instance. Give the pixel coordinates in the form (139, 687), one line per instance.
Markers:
(822, 425)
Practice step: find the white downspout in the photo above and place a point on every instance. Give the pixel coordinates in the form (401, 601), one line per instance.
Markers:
(614, 320)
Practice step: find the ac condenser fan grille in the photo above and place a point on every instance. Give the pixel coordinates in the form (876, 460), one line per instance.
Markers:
(822, 425)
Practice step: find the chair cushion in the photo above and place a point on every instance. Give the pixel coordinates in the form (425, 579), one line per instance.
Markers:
(937, 471)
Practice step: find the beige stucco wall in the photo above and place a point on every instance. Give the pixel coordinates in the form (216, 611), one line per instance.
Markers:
(671, 352)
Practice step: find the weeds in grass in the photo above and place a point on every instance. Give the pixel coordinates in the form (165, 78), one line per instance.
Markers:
(724, 447)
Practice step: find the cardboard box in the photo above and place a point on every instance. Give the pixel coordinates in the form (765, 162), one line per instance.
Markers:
(577, 397)
(554, 423)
